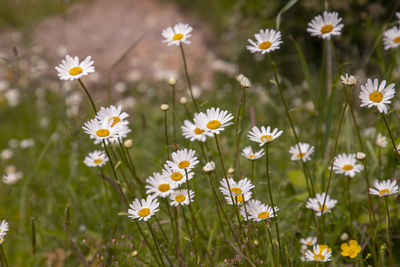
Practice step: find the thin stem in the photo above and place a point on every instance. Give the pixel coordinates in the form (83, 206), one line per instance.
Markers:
(3, 256)
(148, 243)
(388, 233)
(188, 78)
(252, 170)
(156, 243)
(190, 235)
(272, 244)
(173, 112)
(391, 136)
(353, 232)
(166, 133)
(88, 95)
(237, 119)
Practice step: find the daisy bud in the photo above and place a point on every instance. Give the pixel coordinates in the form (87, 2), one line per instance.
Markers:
(128, 143)
(255, 242)
(209, 167)
(360, 155)
(381, 140)
(172, 81)
(134, 253)
(344, 236)
(164, 107)
(183, 100)
(231, 170)
(243, 80)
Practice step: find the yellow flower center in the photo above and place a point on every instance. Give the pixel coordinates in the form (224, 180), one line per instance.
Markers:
(252, 156)
(198, 131)
(239, 198)
(214, 124)
(263, 215)
(75, 71)
(301, 155)
(384, 191)
(163, 187)
(327, 28)
(115, 120)
(265, 45)
(319, 257)
(102, 132)
(144, 212)
(236, 190)
(325, 208)
(376, 96)
(396, 40)
(266, 138)
(183, 164)
(347, 167)
(309, 243)
(180, 198)
(177, 36)
(98, 161)
(176, 176)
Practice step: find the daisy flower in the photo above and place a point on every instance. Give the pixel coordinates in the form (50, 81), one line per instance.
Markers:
(325, 26)
(391, 38)
(309, 241)
(105, 131)
(263, 136)
(347, 164)
(209, 167)
(243, 80)
(248, 153)
(252, 204)
(320, 253)
(240, 191)
(261, 212)
(348, 79)
(178, 34)
(350, 249)
(143, 209)
(176, 175)
(183, 159)
(95, 159)
(213, 121)
(112, 114)
(181, 197)
(71, 69)
(159, 186)
(375, 94)
(192, 132)
(304, 153)
(3, 228)
(381, 140)
(11, 178)
(384, 188)
(316, 203)
(267, 41)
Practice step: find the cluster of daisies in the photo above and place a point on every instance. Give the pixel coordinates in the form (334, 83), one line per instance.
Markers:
(3, 230)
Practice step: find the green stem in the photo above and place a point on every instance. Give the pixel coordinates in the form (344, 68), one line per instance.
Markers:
(272, 245)
(156, 243)
(237, 119)
(173, 113)
(3, 256)
(148, 243)
(388, 233)
(190, 235)
(188, 78)
(252, 171)
(391, 136)
(166, 134)
(88, 95)
(105, 191)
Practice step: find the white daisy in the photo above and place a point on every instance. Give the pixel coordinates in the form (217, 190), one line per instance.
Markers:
(391, 38)
(181, 197)
(320, 253)
(105, 131)
(178, 34)
(3, 228)
(309, 241)
(183, 159)
(325, 26)
(263, 136)
(192, 132)
(11, 178)
(95, 159)
(143, 209)
(213, 121)
(260, 212)
(71, 69)
(250, 205)
(375, 94)
(113, 114)
(347, 164)
(348, 79)
(176, 175)
(240, 191)
(316, 203)
(248, 153)
(267, 41)
(384, 188)
(304, 153)
(159, 186)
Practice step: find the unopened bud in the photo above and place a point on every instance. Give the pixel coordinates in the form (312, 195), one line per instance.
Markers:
(183, 100)
(172, 81)
(231, 170)
(243, 80)
(134, 253)
(360, 155)
(128, 143)
(164, 107)
(209, 167)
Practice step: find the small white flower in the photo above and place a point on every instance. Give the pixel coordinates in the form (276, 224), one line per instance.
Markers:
(12, 175)
(191, 132)
(267, 41)
(309, 241)
(112, 114)
(316, 203)
(183, 159)
(95, 159)
(6, 154)
(213, 121)
(391, 38)
(301, 151)
(243, 80)
(178, 176)
(320, 253)
(143, 209)
(263, 136)
(348, 79)
(159, 185)
(360, 155)
(209, 167)
(240, 191)
(248, 153)
(181, 197)
(105, 131)
(325, 26)
(71, 69)
(381, 140)
(258, 211)
(384, 188)
(347, 164)
(3, 230)
(178, 34)
(377, 95)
